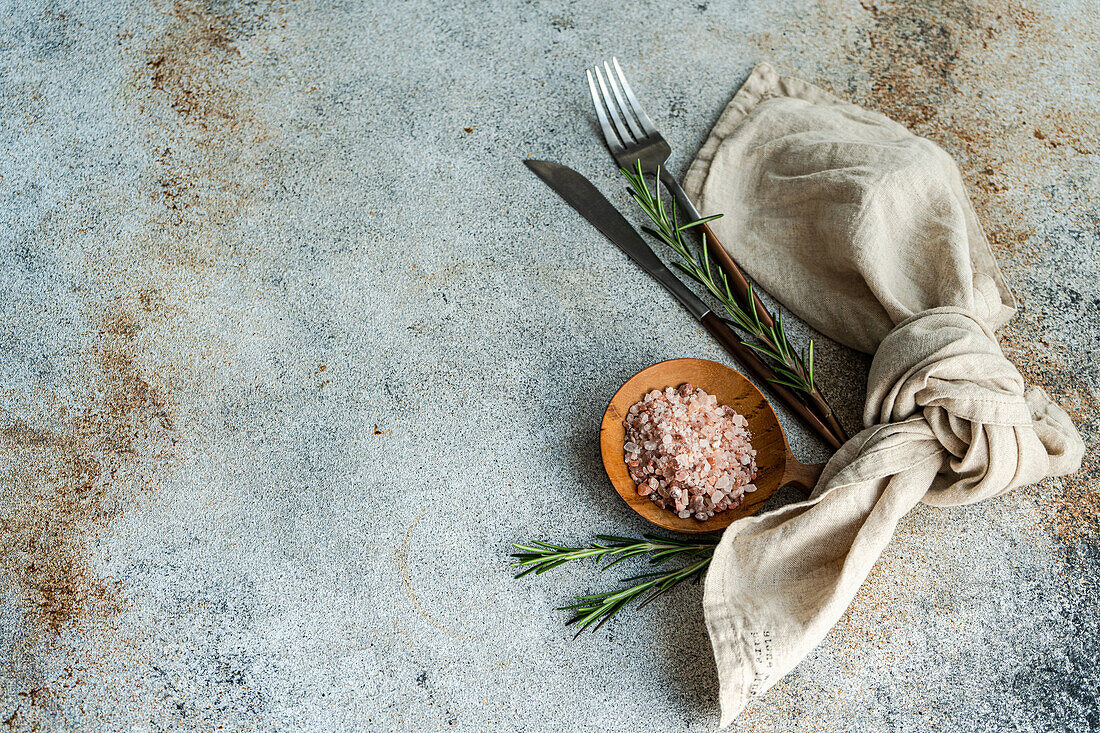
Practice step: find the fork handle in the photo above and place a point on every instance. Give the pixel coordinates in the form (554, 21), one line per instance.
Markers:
(756, 367)
(717, 252)
(824, 413)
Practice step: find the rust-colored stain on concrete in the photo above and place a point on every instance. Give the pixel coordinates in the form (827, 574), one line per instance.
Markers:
(73, 479)
(197, 95)
(75, 473)
(258, 135)
(70, 482)
(1073, 509)
(952, 72)
(76, 477)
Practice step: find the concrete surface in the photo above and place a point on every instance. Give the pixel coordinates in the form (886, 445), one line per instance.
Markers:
(281, 309)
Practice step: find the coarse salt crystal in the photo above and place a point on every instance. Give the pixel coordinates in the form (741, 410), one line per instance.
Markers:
(688, 453)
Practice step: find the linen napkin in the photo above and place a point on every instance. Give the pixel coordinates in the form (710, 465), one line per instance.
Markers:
(865, 231)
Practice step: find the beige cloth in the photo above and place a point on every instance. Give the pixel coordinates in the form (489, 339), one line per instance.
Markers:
(866, 232)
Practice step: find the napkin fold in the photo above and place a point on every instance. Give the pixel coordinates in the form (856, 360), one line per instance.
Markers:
(866, 232)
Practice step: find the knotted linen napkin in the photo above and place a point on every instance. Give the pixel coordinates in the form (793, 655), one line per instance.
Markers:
(865, 231)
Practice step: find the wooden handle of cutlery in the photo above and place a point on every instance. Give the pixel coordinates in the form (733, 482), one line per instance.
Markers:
(717, 252)
(803, 475)
(737, 278)
(822, 413)
(741, 286)
(758, 369)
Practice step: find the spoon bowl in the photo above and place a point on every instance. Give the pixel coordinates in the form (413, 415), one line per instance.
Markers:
(776, 466)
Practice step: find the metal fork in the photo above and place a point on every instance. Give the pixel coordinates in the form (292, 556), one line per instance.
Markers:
(632, 138)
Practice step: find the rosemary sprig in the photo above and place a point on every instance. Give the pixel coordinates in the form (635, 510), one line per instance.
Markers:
(794, 371)
(595, 610)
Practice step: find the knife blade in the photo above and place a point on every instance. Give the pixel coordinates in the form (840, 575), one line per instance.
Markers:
(587, 200)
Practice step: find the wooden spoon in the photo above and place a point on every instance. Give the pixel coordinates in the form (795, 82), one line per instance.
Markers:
(776, 466)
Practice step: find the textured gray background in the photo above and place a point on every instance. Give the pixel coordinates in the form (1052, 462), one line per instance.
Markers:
(281, 309)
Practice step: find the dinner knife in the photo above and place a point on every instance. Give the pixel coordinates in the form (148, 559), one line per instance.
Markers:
(586, 199)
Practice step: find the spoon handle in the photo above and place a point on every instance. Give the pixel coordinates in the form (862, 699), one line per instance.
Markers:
(804, 476)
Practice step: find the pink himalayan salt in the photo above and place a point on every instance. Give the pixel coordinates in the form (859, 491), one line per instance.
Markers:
(689, 454)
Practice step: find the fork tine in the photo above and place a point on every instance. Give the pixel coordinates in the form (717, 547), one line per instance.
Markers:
(609, 135)
(634, 129)
(613, 111)
(647, 124)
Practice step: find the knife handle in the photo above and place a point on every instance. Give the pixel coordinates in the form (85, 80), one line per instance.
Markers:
(758, 369)
(741, 287)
